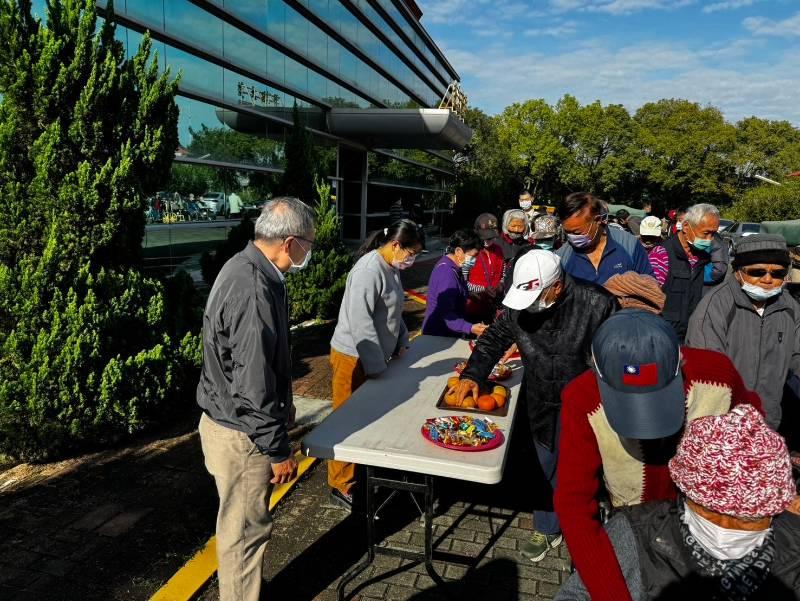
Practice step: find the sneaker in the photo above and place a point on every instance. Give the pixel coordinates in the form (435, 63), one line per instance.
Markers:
(537, 548)
(342, 499)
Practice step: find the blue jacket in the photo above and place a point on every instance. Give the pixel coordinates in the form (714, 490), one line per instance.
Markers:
(622, 253)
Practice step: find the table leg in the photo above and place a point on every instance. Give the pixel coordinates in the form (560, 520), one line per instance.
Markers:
(429, 532)
(367, 560)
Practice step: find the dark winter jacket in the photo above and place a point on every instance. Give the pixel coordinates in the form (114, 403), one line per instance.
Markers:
(657, 564)
(555, 346)
(246, 380)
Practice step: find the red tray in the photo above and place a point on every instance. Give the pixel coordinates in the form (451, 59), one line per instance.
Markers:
(493, 444)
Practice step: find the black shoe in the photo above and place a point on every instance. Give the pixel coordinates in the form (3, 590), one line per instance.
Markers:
(342, 499)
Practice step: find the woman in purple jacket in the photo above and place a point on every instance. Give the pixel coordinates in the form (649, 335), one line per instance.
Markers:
(447, 290)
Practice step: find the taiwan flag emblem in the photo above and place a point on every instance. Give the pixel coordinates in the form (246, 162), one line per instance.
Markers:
(645, 374)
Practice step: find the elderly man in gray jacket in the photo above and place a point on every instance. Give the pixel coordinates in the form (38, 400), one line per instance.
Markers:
(245, 389)
(754, 320)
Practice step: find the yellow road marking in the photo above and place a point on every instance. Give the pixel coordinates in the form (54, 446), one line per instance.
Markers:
(416, 296)
(197, 571)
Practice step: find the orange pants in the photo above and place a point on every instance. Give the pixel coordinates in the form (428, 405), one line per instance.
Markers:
(348, 375)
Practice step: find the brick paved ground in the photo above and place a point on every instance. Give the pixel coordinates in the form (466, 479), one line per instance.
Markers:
(314, 543)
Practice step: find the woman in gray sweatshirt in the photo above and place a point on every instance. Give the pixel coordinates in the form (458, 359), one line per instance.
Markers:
(370, 330)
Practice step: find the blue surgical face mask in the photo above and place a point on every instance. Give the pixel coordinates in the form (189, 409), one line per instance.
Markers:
(469, 262)
(545, 245)
(700, 244)
(583, 241)
(759, 294)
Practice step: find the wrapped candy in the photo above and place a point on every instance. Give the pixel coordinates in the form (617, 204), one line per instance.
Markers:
(460, 431)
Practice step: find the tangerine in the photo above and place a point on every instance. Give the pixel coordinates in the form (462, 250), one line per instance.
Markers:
(500, 390)
(499, 399)
(451, 399)
(487, 403)
(469, 403)
(452, 382)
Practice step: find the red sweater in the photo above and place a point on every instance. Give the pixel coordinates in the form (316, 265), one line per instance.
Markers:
(589, 448)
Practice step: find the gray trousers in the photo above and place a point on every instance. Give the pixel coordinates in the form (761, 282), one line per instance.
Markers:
(244, 524)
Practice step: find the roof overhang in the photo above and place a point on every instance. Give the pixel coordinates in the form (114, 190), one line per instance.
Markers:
(439, 129)
(432, 129)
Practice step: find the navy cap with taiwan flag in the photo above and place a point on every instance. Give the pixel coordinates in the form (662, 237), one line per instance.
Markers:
(638, 368)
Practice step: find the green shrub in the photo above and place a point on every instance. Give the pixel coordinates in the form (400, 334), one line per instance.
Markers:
(91, 350)
(316, 292)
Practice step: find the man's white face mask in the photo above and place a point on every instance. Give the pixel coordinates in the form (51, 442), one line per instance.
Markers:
(719, 542)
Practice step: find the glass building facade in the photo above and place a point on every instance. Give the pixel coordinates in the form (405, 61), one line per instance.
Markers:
(245, 64)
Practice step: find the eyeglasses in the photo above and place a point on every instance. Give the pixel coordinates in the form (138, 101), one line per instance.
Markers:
(310, 242)
(778, 274)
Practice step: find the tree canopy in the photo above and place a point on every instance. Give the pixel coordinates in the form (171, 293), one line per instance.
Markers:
(671, 152)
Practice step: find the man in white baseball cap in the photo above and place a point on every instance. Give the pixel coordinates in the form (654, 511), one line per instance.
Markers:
(650, 232)
(552, 319)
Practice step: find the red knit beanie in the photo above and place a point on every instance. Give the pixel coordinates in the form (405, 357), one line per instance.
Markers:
(734, 464)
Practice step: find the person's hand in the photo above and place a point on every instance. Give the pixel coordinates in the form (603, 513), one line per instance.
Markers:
(478, 328)
(465, 388)
(509, 352)
(284, 471)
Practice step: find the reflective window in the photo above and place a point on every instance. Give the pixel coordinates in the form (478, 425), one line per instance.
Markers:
(149, 12)
(245, 50)
(207, 132)
(253, 12)
(190, 23)
(276, 19)
(198, 75)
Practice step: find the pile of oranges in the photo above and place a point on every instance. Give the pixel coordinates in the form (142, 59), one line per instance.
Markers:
(486, 401)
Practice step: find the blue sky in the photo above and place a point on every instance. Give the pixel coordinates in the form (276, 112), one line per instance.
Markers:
(742, 56)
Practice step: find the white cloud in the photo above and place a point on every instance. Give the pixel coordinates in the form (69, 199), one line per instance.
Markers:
(727, 5)
(556, 30)
(786, 28)
(617, 7)
(632, 76)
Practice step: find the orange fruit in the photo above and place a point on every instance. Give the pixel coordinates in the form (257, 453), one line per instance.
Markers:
(469, 403)
(501, 391)
(499, 399)
(487, 403)
(451, 399)
(452, 382)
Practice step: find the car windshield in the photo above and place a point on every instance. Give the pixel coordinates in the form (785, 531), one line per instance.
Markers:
(750, 228)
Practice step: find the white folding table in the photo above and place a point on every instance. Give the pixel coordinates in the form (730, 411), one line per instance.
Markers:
(380, 427)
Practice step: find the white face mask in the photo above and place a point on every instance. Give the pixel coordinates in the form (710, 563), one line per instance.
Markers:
(469, 262)
(540, 304)
(525, 204)
(719, 542)
(759, 294)
(405, 263)
(295, 267)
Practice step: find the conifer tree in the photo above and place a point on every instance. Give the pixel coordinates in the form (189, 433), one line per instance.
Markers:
(86, 351)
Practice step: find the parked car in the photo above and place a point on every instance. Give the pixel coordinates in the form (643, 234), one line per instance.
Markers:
(740, 230)
(213, 201)
(724, 224)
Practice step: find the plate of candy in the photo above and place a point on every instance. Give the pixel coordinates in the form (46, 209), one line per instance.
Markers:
(463, 433)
